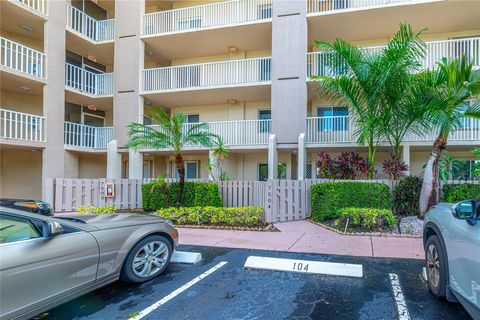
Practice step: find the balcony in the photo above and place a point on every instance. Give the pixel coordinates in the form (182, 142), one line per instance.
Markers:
(336, 130)
(362, 20)
(19, 58)
(242, 80)
(39, 6)
(84, 81)
(95, 30)
(238, 133)
(207, 16)
(320, 63)
(80, 136)
(320, 6)
(22, 127)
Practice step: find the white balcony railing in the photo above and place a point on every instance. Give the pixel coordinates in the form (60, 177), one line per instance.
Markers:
(21, 58)
(214, 74)
(21, 126)
(207, 16)
(339, 129)
(97, 30)
(38, 5)
(324, 63)
(88, 82)
(237, 132)
(316, 6)
(80, 135)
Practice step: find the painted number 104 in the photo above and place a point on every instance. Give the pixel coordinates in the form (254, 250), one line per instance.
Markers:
(298, 266)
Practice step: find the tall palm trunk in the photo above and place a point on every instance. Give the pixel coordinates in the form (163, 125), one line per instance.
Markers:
(181, 175)
(430, 191)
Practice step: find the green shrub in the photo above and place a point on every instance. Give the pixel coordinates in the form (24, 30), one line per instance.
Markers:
(238, 216)
(368, 218)
(406, 196)
(97, 210)
(159, 194)
(327, 199)
(459, 192)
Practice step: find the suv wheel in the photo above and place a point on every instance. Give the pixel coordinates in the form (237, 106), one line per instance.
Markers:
(436, 267)
(147, 259)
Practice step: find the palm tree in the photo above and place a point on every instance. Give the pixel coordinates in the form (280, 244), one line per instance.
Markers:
(455, 89)
(220, 152)
(367, 82)
(169, 133)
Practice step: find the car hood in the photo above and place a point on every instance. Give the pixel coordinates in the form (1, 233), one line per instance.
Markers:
(110, 221)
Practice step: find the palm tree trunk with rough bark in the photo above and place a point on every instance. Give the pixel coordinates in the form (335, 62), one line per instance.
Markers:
(181, 175)
(430, 191)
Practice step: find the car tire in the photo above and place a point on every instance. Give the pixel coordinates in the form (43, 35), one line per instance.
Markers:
(144, 261)
(436, 267)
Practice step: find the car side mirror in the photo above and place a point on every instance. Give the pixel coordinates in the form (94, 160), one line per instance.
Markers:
(52, 229)
(466, 210)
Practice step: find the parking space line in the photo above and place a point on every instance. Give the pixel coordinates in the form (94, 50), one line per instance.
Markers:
(175, 293)
(304, 266)
(400, 302)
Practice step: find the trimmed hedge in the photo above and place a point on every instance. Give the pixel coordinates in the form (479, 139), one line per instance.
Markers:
(406, 196)
(159, 194)
(459, 192)
(238, 216)
(327, 199)
(369, 218)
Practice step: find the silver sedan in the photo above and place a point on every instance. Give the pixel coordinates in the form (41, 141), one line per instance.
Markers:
(46, 261)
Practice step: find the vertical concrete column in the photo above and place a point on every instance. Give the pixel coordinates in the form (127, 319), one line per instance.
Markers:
(272, 157)
(53, 165)
(135, 164)
(128, 66)
(114, 161)
(406, 156)
(302, 157)
(289, 70)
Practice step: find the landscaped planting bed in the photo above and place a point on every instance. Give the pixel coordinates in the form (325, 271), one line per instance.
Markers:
(214, 216)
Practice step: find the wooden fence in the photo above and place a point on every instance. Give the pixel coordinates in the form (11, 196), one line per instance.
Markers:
(282, 200)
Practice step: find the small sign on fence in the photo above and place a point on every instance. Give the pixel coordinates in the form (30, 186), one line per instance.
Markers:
(109, 190)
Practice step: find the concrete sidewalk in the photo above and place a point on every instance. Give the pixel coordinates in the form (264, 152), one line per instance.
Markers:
(304, 236)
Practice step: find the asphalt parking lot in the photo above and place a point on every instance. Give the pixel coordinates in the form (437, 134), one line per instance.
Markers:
(232, 292)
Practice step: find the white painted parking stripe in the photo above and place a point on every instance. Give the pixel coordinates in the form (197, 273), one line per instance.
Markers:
(186, 257)
(400, 302)
(304, 266)
(175, 293)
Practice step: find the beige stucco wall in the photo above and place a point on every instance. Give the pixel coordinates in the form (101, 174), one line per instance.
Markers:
(21, 102)
(92, 166)
(20, 173)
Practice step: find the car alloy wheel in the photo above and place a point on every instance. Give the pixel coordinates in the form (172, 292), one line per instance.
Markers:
(150, 259)
(433, 265)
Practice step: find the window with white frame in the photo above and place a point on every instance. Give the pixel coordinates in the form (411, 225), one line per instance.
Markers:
(264, 126)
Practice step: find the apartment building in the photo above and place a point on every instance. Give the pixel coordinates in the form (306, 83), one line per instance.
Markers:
(75, 73)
